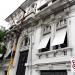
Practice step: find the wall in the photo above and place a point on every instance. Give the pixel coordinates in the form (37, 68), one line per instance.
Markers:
(72, 29)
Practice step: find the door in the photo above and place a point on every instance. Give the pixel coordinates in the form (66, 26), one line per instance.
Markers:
(21, 64)
(54, 72)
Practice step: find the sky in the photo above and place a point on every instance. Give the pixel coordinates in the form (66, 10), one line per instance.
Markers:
(6, 8)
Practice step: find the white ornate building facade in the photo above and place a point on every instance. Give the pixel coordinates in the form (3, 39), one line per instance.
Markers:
(42, 31)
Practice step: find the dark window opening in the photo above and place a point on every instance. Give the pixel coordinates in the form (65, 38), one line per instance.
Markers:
(43, 50)
(61, 45)
(55, 47)
(65, 43)
(53, 1)
(47, 47)
(43, 6)
(27, 41)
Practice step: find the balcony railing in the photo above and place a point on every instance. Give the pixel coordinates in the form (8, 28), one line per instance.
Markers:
(56, 53)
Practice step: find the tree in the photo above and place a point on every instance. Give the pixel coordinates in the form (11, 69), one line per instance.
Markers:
(2, 34)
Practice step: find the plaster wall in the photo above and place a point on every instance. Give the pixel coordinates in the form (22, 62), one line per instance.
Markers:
(72, 29)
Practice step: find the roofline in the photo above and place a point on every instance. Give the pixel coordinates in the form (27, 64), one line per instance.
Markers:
(17, 9)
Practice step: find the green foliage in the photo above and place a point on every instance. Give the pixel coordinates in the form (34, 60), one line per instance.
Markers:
(0, 49)
(2, 34)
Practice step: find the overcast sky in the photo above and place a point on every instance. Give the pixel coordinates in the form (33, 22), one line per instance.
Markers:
(6, 8)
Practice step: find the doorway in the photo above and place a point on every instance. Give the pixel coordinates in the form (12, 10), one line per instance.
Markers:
(21, 64)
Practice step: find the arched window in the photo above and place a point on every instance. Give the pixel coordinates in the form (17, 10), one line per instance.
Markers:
(25, 41)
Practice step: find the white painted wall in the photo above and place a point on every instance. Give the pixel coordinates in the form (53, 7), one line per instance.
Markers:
(70, 73)
(35, 50)
(72, 29)
(36, 43)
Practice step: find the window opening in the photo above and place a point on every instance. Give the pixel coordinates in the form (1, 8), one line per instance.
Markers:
(47, 47)
(43, 6)
(55, 47)
(53, 1)
(65, 43)
(26, 41)
(61, 45)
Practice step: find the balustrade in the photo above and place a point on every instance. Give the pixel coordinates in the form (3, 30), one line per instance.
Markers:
(56, 53)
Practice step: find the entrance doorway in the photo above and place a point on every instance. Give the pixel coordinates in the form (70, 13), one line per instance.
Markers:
(53, 72)
(21, 64)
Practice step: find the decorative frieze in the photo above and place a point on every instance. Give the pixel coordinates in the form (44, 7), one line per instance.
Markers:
(46, 29)
(51, 66)
(61, 23)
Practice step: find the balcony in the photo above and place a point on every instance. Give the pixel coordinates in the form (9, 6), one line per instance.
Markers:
(52, 8)
(59, 55)
(55, 53)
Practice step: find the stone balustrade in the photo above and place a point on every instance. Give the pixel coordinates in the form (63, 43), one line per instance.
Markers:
(56, 53)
